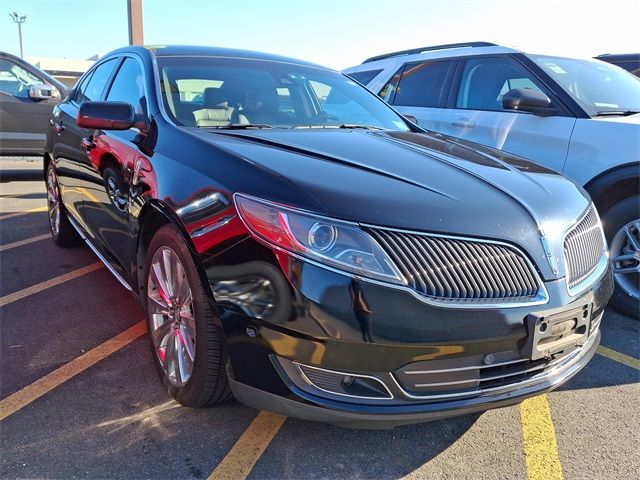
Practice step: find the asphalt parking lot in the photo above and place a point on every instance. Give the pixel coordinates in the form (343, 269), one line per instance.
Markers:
(80, 397)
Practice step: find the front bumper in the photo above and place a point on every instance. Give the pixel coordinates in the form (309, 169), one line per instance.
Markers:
(317, 328)
(359, 416)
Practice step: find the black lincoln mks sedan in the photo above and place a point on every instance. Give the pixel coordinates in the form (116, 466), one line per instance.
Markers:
(298, 244)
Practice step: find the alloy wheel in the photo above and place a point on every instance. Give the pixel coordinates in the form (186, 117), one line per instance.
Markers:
(171, 316)
(625, 257)
(53, 201)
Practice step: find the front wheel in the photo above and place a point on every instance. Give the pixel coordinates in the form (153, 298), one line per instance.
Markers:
(188, 346)
(622, 229)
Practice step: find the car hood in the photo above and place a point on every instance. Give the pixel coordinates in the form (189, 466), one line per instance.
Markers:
(418, 181)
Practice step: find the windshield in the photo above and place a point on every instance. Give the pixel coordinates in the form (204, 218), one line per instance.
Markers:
(598, 87)
(217, 92)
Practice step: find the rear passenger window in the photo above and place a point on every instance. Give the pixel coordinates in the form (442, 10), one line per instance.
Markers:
(92, 90)
(364, 77)
(419, 84)
(486, 80)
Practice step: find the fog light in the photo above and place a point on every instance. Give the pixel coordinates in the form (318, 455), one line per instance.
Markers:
(348, 380)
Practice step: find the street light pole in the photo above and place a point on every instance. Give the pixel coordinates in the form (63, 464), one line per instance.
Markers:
(19, 20)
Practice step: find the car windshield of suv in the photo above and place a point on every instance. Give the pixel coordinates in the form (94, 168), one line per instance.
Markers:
(217, 92)
(599, 88)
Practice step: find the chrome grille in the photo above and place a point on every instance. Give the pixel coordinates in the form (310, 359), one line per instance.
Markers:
(459, 270)
(583, 248)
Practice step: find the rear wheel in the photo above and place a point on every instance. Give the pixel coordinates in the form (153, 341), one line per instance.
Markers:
(62, 231)
(188, 346)
(622, 229)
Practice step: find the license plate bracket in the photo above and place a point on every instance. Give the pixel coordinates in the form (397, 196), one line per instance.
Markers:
(552, 334)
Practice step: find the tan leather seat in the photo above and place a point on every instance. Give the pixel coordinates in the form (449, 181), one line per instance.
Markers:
(216, 111)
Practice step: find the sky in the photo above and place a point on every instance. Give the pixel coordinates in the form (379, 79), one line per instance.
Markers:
(334, 33)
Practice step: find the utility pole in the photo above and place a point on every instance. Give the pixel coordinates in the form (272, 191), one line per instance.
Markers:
(19, 20)
(134, 9)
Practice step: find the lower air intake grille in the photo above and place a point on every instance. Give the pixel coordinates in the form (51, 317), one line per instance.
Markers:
(460, 270)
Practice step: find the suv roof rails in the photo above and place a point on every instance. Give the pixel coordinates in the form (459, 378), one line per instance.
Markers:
(429, 49)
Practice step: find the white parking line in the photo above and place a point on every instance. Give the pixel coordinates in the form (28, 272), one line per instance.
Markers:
(20, 243)
(12, 297)
(37, 389)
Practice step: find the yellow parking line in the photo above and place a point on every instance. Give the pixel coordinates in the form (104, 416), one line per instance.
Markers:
(619, 357)
(240, 460)
(12, 297)
(9, 246)
(540, 447)
(32, 392)
(17, 214)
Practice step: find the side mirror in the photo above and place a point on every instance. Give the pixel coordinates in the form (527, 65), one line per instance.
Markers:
(106, 115)
(43, 92)
(528, 100)
(411, 118)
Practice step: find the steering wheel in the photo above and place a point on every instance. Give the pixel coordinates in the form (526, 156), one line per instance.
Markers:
(324, 116)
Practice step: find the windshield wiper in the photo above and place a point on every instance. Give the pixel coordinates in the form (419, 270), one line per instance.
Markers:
(240, 126)
(364, 127)
(344, 125)
(622, 113)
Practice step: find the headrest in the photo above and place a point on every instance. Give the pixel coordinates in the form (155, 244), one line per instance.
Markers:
(214, 98)
(261, 98)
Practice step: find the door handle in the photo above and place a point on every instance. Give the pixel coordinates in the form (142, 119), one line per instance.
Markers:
(87, 143)
(463, 123)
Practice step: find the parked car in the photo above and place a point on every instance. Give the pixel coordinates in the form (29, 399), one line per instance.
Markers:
(578, 117)
(27, 96)
(360, 274)
(629, 61)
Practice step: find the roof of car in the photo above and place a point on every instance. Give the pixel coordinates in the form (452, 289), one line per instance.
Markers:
(195, 50)
(437, 51)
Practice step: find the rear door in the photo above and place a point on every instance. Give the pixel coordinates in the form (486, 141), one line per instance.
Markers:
(474, 112)
(420, 89)
(71, 158)
(113, 155)
(23, 120)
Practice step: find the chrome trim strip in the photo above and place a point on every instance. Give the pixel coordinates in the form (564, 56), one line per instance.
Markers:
(445, 370)
(544, 295)
(306, 379)
(565, 363)
(219, 223)
(486, 379)
(102, 259)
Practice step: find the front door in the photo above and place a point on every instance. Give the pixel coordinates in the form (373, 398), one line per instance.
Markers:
(106, 187)
(478, 115)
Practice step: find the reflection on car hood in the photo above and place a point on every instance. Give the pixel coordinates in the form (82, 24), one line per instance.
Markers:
(423, 182)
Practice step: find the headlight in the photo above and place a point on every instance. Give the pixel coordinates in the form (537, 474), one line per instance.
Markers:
(335, 243)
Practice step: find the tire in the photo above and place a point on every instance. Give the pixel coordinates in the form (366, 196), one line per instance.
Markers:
(63, 233)
(188, 335)
(625, 213)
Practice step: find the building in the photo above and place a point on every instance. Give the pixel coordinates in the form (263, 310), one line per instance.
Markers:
(66, 70)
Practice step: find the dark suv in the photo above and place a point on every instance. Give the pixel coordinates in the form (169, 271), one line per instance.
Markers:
(297, 243)
(27, 96)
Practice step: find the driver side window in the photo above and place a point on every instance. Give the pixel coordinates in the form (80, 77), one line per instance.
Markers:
(15, 80)
(485, 81)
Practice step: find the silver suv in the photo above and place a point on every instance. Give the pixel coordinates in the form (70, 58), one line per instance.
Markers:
(579, 117)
